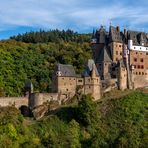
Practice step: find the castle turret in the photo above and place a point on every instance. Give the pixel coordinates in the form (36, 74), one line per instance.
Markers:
(92, 80)
(122, 75)
(95, 83)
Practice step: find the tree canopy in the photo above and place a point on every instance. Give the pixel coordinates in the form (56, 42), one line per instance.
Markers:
(115, 123)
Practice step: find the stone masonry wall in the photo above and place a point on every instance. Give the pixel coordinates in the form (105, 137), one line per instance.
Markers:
(37, 99)
(13, 101)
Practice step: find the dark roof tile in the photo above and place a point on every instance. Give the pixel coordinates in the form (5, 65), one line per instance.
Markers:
(66, 70)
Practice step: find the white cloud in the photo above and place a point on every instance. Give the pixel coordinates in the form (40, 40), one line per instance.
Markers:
(69, 13)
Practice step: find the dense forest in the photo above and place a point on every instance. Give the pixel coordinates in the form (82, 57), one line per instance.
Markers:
(114, 123)
(28, 57)
(52, 36)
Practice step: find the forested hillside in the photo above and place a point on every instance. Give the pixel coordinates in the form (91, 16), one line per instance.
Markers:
(52, 36)
(114, 123)
(21, 62)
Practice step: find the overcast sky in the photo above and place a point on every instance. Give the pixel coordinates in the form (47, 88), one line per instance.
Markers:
(18, 16)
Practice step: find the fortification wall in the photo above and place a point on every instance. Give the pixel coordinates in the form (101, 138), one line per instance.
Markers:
(140, 81)
(37, 99)
(13, 101)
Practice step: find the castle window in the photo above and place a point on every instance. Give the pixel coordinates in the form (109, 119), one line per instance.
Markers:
(136, 73)
(141, 60)
(138, 66)
(135, 59)
(116, 52)
(142, 73)
(119, 45)
(79, 80)
(145, 73)
(139, 73)
(67, 89)
(142, 66)
(147, 53)
(134, 66)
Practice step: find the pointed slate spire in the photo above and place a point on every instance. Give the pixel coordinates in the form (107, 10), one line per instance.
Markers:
(91, 69)
(94, 69)
(104, 55)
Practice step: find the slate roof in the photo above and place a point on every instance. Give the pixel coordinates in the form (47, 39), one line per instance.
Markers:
(104, 55)
(121, 63)
(89, 68)
(100, 35)
(66, 70)
(115, 35)
(138, 37)
(28, 86)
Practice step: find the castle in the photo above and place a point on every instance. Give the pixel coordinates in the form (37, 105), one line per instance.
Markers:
(121, 55)
(120, 61)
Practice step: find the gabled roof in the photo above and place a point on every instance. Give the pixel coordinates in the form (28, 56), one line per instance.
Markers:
(66, 70)
(89, 68)
(104, 55)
